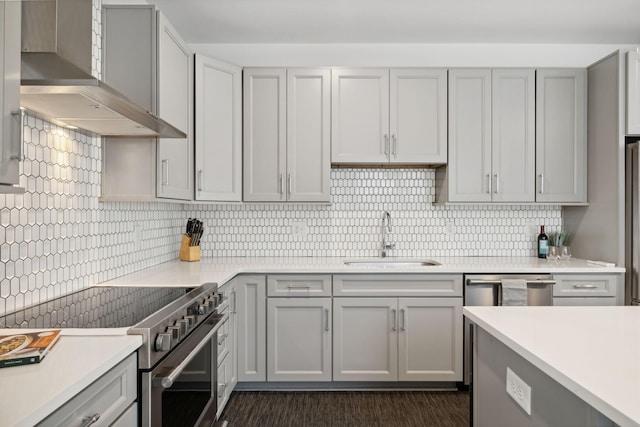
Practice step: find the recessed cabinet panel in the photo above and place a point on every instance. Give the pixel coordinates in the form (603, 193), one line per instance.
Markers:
(360, 116)
(251, 315)
(218, 130)
(469, 135)
(513, 135)
(633, 92)
(175, 88)
(264, 134)
(418, 116)
(561, 153)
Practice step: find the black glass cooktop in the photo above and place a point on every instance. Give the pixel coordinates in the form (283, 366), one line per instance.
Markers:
(96, 307)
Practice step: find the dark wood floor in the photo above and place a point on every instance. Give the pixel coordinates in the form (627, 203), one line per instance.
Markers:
(348, 408)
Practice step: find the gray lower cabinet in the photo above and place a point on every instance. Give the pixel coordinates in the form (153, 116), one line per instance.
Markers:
(588, 289)
(379, 337)
(251, 316)
(228, 347)
(112, 398)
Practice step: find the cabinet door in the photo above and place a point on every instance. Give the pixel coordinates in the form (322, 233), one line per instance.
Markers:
(633, 92)
(561, 154)
(513, 135)
(360, 116)
(418, 116)
(469, 165)
(251, 315)
(10, 93)
(233, 337)
(430, 339)
(264, 97)
(218, 130)
(299, 339)
(365, 339)
(308, 135)
(175, 88)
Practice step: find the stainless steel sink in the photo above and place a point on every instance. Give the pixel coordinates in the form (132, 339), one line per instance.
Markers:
(392, 263)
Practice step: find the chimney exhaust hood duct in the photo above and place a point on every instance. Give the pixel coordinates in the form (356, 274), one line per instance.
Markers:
(56, 80)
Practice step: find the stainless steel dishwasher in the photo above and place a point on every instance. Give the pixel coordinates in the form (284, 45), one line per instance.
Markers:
(487, 290)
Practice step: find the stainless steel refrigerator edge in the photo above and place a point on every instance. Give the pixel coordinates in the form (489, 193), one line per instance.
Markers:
(632, 202)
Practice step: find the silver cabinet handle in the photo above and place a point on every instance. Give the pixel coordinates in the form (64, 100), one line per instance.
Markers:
(404, 321)
(281, 184)
(395, 145)
(289, 183)
(541, 183)
(165, 172)
(299, 286)
(497, 187)
(579, 286)
(20, 115)
(386, 144)
(90, 420)
(235, 301)
(395, 319)
(489, 183)
(200, 172)
(326, 318)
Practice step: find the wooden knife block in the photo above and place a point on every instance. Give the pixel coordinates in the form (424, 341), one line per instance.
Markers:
(188, 253)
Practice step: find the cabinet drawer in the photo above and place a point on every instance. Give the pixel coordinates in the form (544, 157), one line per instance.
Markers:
(585, 285)
(291, 285)
(224, 386)
(584, 301)
(223, 341)
(109, 396)
(415, 285)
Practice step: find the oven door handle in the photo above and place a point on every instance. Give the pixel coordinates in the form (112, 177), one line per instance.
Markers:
(168, 380)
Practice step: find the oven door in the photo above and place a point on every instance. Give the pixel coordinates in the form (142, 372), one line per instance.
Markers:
(181, 389)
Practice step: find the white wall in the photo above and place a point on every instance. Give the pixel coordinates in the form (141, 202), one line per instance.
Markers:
(409, 54)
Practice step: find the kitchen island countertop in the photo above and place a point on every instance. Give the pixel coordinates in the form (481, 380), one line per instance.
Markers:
(30, 393)
(221, 270)
(594, 352)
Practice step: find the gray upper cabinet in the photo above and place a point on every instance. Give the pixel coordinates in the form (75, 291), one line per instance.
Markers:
(157, 61)
(286, 135)
(467, 177)
(633, 92)
(384, 116)
(11, 122)
(513, 135)
(175, 105)
(218, 130)
(561, 144)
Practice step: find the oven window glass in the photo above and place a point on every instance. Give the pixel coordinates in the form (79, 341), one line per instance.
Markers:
(186, 400)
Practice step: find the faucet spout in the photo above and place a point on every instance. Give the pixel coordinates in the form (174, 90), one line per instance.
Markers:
(386, 229)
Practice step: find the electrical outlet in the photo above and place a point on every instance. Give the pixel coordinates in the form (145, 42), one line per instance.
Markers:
(137, 236)
(519, 391)
(299, 228)
(450, 228)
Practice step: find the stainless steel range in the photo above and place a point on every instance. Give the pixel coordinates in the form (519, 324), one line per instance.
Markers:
(177, 361)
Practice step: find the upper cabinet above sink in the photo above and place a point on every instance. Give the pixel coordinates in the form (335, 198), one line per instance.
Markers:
(382, 116)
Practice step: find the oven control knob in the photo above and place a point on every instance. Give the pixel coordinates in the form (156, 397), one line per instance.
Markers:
(191, 321)
(175, 332)
(211, 303)
(183, 324)
(203, 309)
(163, 342)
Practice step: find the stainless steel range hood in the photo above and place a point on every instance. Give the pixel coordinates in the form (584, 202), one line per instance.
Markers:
(57, 84)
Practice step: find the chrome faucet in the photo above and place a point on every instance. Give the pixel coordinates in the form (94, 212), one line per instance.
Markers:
(386, 228)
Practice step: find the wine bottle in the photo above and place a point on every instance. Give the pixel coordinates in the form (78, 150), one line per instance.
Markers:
(543, 243)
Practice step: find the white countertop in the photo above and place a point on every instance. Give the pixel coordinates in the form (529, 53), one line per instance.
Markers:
(32, 392)
(221, 270)
(592, 351)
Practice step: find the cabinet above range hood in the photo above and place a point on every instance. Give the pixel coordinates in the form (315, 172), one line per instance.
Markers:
(56, 74)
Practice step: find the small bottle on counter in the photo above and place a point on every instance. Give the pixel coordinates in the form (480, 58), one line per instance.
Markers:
(543, 243)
